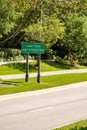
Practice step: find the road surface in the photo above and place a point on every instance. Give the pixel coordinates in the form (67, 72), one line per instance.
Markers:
(44, 111)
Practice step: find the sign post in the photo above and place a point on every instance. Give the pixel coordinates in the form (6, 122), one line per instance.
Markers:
(27, 68)
(33, 48)
(38, 76)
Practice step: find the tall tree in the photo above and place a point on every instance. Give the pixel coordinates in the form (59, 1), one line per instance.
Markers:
(74, 15)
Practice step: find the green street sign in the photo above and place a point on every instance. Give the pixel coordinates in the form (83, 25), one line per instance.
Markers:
(33, 48)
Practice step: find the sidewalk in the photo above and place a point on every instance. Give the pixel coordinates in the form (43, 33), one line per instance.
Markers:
(18, 76)
(6, 62)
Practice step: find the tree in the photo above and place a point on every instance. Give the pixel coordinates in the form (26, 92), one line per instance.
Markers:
(59, 22)
(73, 14)
(37, 18)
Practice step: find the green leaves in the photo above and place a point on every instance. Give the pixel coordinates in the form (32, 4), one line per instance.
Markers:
(51, 21)
(51, 29)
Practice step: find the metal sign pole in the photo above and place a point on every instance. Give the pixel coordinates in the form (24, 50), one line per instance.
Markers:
(38, 76)
(27, 69)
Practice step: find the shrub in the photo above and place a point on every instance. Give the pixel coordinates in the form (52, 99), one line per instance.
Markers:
(83, 61)
(8, 54)
(68, 60)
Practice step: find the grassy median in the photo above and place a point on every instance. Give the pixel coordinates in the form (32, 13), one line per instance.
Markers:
(19, 85)
(82, 125)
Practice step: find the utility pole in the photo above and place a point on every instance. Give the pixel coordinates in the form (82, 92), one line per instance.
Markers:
(39, 56)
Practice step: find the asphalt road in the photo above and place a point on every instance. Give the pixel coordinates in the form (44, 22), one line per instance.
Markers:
(44, 111)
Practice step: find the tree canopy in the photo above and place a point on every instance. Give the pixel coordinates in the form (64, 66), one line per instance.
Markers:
(58, 23)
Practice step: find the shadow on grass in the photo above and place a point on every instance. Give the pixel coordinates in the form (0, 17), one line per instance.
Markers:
(83, 128)
(21, 67)
(56, 65)
(12, 82)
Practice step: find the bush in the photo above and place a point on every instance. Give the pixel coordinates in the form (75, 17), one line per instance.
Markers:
(83, 61)
(71, 60)
(8, 54)
(68, 60)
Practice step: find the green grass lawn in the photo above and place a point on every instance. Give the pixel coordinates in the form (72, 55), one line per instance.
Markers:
(19, 85)
(19, 68)
(15, 68)
(82, 125)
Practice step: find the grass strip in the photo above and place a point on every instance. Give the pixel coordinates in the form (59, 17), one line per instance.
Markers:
(19, 85)
(82, 125)
(19, 68)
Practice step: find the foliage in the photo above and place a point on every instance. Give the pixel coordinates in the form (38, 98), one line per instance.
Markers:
(51, 30)
(73, 14)
(30, 14)
(83, 61)
(71, 60)
(59, 23)
(10, 54)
